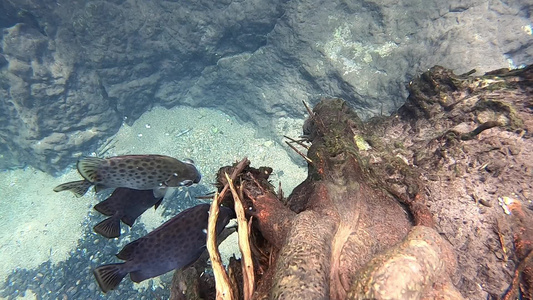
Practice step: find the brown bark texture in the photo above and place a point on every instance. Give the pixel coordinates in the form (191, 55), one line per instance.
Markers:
(433, 202)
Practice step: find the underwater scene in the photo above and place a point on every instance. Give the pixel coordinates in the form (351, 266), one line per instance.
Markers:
(299, 149)
(50, 252)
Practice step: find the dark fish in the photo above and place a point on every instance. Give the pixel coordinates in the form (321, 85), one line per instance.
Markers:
(140, 172)
(173, 245)
(124, 204)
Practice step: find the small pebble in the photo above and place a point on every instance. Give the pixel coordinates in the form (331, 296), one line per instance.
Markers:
(91, 287)
(485, 202)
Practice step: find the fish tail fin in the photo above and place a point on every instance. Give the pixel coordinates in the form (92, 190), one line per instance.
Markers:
(88, 167)
(109, 228)
(79, 188)
(109, 276)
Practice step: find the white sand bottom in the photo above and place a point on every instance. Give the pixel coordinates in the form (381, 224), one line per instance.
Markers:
(37, 224)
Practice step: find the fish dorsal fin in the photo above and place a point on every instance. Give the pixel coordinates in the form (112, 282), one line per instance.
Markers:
(88, 167)
(127, 252)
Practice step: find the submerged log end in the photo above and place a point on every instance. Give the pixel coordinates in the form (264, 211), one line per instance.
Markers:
(425, 261)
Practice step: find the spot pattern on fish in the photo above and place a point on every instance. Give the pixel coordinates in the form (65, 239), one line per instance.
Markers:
(137, 171)
(175, 244)
(141, 172)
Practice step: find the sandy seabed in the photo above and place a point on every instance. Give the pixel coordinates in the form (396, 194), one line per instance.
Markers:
(38, 225)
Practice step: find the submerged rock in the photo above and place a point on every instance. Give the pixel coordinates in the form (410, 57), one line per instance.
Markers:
(73, 72)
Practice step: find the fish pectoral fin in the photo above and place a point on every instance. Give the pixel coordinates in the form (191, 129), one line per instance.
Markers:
(109, 276)
(79, 188)
(109, 228)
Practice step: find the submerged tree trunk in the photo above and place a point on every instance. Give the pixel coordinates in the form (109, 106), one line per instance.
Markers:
(392, 206)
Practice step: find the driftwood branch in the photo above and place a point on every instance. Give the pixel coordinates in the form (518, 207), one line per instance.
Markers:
(222, 282)
(223, 286)
(514, 288)
(244, 244)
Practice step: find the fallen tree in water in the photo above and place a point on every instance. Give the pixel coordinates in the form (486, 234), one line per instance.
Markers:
(393, 205)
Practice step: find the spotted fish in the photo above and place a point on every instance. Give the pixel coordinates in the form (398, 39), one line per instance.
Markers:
(124, 204)
(140, 172)
(175, 244)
